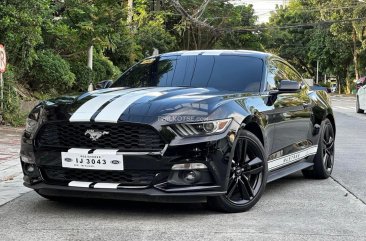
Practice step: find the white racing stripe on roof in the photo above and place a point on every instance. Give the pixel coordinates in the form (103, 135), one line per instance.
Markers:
(115, 109)
(194, 53)
(87, 110)
(213, 52)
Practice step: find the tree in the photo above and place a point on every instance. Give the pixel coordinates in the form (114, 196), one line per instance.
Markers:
(21, 24)
(291, 43)
(211, 24)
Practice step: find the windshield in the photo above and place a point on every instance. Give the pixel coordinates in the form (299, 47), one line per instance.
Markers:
(225, 72)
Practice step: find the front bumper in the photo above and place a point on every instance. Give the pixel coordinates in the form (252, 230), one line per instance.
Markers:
(148, 194)
(214, 155)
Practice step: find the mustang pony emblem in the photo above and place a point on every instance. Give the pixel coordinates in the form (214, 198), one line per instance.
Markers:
(95, 134)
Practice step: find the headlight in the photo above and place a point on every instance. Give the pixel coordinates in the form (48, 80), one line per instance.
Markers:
(32, 120)
(201, 128)
(30, 125)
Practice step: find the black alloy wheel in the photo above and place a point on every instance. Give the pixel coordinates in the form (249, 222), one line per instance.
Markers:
(328, 148)
(324, 158)
(247, 178)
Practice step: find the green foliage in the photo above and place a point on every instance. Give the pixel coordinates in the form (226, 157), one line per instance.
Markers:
(85, 23)
(153, 36)
(12, 113)
(83, 75)
(292, 43)
(47, 41)
(126, 51)
(21, 25)
(51, 73)
(240, 16)
(226, 21)
(103, 69)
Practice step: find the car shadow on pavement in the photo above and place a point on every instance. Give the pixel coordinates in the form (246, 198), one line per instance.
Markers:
(139, 208)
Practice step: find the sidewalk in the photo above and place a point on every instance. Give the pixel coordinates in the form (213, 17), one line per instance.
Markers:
(11, 177)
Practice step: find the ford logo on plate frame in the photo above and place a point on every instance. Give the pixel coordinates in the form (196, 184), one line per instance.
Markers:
(68, 159)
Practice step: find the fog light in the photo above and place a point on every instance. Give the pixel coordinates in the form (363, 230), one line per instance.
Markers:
(24, 158)
(232, 138)
(189, 166)
(191, 177)
(30, 168)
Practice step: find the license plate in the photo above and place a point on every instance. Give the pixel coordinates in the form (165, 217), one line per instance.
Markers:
(92, 161)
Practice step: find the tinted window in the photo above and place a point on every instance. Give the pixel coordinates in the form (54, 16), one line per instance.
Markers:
(137, 75)
(278, 71)
(234, 73)
(289, 72)
(274, 76)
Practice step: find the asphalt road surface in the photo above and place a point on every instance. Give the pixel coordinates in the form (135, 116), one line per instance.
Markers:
(292, 208)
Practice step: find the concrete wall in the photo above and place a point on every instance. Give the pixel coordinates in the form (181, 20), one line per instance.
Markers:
(27, 106)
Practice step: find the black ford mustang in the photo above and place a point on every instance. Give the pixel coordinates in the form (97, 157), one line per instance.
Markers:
(183, 126)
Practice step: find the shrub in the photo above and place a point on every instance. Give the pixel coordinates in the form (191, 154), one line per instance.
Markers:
(154, 36)
(51, 72)
(103, 69)
(83, 75)
(12, 114)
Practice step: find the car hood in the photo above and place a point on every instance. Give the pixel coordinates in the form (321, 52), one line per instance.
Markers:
(146, 105)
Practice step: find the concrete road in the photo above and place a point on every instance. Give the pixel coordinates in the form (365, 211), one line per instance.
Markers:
(292, 208)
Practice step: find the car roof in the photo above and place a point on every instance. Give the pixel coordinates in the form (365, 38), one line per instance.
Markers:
(251, 53)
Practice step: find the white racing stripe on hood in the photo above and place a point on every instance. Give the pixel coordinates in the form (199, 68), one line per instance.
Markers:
(87, 110)
(115, 109)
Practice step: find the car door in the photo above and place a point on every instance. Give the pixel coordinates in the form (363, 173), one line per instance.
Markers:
(293, 110)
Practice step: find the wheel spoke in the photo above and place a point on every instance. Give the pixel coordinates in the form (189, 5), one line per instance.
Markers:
(329, 143)
(238, 150)
(255, 161)
(326, 133)
(329, 159)
(248, 187)
(231, 181)
(243, 155)
(253, 171)
(243, 191)
(232, 189)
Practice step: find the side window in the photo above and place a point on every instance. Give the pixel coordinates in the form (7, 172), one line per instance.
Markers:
(289, 72)
(274, 75)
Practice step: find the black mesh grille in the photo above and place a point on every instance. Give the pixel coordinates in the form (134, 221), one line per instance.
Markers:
(59, 174)
(122, 136)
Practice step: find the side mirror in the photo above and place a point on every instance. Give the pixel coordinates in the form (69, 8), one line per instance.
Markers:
(104, 84)
(289, 86)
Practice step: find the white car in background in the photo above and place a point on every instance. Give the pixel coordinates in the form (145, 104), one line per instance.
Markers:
(361, 95)
(333, 87)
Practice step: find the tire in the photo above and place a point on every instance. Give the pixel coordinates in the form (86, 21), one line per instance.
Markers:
(248, 176)
(358, 110)
(324, 158)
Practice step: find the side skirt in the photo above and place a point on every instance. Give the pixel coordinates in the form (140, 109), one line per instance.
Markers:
(287, 170)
